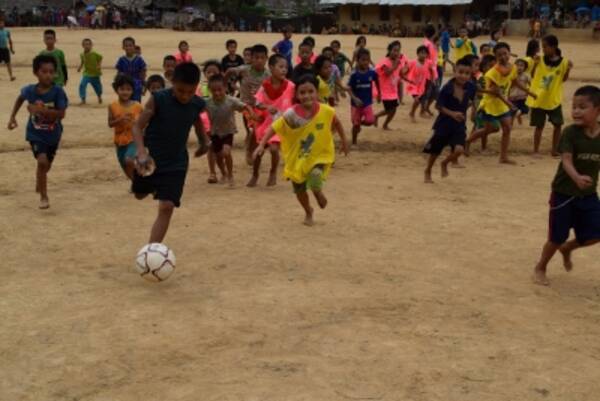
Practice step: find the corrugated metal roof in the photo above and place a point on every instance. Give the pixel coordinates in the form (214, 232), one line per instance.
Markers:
(398, 2)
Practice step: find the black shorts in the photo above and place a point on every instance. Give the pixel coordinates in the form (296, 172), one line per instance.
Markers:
(538, 117)
(4, 55)
(390, 105)
(521, 106)
(440, 139)
(218, 142)
(165, 186)
(39, 148)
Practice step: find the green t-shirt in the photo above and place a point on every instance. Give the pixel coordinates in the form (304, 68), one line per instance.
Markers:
(59, 56)
(90, 64)
(586, 159)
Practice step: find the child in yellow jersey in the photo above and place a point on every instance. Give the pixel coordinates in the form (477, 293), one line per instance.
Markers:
(306, 133)
(494, 105)
(550, 73)
(323, 69)
(122, 114)
(532, 55)
(463, 45)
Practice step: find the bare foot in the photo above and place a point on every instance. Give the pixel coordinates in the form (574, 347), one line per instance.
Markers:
(12, 78)
(412, 118)
(567, 262)
(428, 179)
(82, 103)
(99, 100)
(223, 180)
(386, 128)
(253, 181)
(308, 220)
(230, 182)
(536, 155)
(456, 164)
(376, 122)
(212, 179)
(467, 151)
(444, 170)
(321, 199)
(44, 203)
(272, 180)
(539, 277)
(508, 161)
(249, 159)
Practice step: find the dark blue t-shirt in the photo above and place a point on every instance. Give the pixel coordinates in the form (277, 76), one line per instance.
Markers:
(40, 129)
(361, 84)
(446, 99)
(285, 48)
(168, 130)
(133, 68)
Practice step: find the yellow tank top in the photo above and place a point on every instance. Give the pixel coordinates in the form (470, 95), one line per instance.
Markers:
(491, 104)
(530, 64)
(324, 90)
(307, 146)
(547, 84)
(466, 48)
(124, 131)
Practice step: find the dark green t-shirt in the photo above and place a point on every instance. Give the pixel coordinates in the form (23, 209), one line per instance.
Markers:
(586, 159)
(169, 128)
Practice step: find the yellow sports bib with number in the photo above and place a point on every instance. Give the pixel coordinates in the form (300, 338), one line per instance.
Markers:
(491, 104)
(547, 84)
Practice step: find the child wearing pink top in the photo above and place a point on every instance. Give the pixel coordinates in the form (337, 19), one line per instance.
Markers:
(420, 71)
(432, 88)
(390, 71)
(183, 55)
(275, 96)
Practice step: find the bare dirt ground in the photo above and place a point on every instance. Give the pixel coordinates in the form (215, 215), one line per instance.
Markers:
(402, 291)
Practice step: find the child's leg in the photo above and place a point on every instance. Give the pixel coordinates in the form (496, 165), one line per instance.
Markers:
(556, 139)
(250, 142)
(355, 132)
(401, 92)
(212, 165)
(568, 247)
(413, 109)
(539, 273)
(129, 168)
(451, 158)
(505, 142)
(43, 166)
(97, 85)
(304, 200)
(10, 72)
(255, 172)
(274, 148)
(537, 139)
(83, 88)
(163, 219)
(390, 115)
(227, 160)
(430, 162)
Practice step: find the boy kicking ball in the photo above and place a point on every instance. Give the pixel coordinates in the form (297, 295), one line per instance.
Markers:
(160, 136)
(574, 199)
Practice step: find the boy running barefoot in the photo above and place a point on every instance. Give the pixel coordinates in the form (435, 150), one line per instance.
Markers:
(574, 199)
(306, 132)
(122, 114)
(161, 135)
(450, 127)
(6, 48)
(91, 63)
(220, 108)
(47, 103)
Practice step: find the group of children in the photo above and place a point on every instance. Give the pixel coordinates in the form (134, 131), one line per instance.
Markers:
(291, 110)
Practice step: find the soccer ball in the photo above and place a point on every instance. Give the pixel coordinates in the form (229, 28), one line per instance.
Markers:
(155, 262)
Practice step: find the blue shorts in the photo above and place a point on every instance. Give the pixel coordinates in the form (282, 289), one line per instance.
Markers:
(39, 148)
(126, 152)
(582, 214)
(521, 106)
(491, 119)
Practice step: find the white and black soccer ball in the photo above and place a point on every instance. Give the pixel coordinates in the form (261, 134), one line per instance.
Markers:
(155, 262)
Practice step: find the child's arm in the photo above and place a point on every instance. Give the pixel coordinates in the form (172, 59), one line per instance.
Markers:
(50, 114)
(582, 181)
(80, 63)
(12, 122)
(260, 149)
(524, 88)
(494, 90)
(201, 135)
(389, 71)
(138, 134)
(10, 45)
(113, 121)
(569, 67)
(455, 115)
(337, 126)
(64, 67)
(100, 63)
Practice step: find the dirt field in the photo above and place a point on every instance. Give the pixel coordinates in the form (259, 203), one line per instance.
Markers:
(402, 291)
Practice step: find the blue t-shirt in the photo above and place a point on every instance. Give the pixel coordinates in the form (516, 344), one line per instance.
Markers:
(285, 48)
(361, 84)
(40, 129)
(133, 68)
(446, 124)
(4, 36)
(445, 42)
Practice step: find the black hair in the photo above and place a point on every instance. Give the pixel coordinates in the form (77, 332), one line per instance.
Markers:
(522, 60)
(483, 46)
(230, 42)
(466, 61)
(50, 32)
(183, 42)
(533, 46)
(247, 49)
(187, 73)
(422, 48)
(320, 62)
(306, 78)
(360, 39)
(129, 39)
(154, 79)
(169, 57)
(274, 59)
(310, 40)
(212, 62)
(327, 49)
(591, 92)
(122, 80)
(335, 42)
(552, 41)
(304, 44)
(43, 59)
(391, 45)
(86, 40)
(260, 49)
(494, 32)
(287, 29)
(363, 52)
(138, 47)
(216, 78)
(501, 45)
(429, 31)
(485, 61)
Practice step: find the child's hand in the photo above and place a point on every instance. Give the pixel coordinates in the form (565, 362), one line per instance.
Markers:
(12, 124)
(344, 148)
(357, 101)
(533, 95)
(36, 108)
(272, 110)
(143, 163)
(458, 116)
(12, 51)
(584, 181)
(258, 152)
